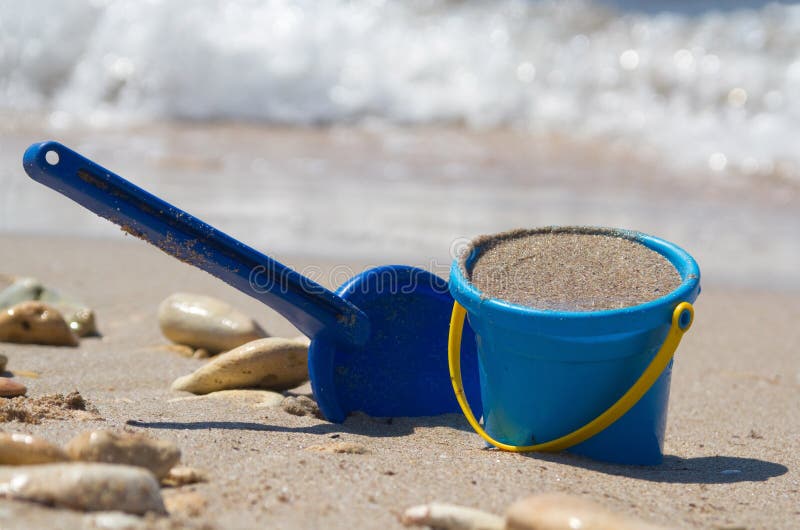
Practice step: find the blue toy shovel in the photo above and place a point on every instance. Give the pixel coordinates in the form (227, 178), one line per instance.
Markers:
(379, 344)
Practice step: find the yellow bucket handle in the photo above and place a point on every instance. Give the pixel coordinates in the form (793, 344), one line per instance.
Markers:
(682, 318)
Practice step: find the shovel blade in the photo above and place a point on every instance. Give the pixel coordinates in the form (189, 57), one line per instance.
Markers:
(402, 368)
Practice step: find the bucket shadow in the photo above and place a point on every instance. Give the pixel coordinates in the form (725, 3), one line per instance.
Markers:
(355, 424)
(699, 470)
(716, 469)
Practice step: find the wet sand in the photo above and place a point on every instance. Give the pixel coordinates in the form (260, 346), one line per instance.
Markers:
(412, 195)
(732, 446)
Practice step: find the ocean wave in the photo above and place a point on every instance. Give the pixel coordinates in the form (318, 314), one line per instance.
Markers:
(694, 88)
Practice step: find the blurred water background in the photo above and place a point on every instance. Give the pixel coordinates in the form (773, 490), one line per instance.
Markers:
(389, 131)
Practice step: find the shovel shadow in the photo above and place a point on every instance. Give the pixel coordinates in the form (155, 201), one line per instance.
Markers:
(359, 424)
(717, 469)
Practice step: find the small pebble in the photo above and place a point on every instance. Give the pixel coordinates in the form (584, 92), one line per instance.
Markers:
(181, 349)
(205, 322)
(3, 363)
(183, 476)
(81, 319)
(86, 487)
(301, 406)
(451, 517)
(113, 521)
(345, 448)
(20, 290)
(272, 363)
(201, 353)
(256, 398)
(134, 449)
(10, 388)
(187, 351)
(188, 503)
(35, 323)
(565, 512)
(23, 449)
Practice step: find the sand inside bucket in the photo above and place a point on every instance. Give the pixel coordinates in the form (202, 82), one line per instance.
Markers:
(570, 269)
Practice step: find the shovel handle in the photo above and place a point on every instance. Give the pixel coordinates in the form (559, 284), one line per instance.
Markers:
(306, 304)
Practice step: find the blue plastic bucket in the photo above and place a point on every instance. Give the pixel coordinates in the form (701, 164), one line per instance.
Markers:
(544, 374)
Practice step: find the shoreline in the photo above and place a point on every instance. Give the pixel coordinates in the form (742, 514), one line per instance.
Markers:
(413, 196)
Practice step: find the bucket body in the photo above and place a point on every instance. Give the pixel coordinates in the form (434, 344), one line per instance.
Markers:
(544, 374)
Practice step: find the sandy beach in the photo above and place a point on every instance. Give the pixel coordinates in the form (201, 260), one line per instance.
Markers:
(340, 135)
(731, 449)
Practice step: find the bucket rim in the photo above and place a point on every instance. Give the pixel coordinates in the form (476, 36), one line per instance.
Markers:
(476, 301)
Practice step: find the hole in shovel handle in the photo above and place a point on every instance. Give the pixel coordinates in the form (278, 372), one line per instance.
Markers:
(51, 157)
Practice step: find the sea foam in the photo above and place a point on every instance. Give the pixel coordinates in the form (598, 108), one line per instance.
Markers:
(701, 88)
